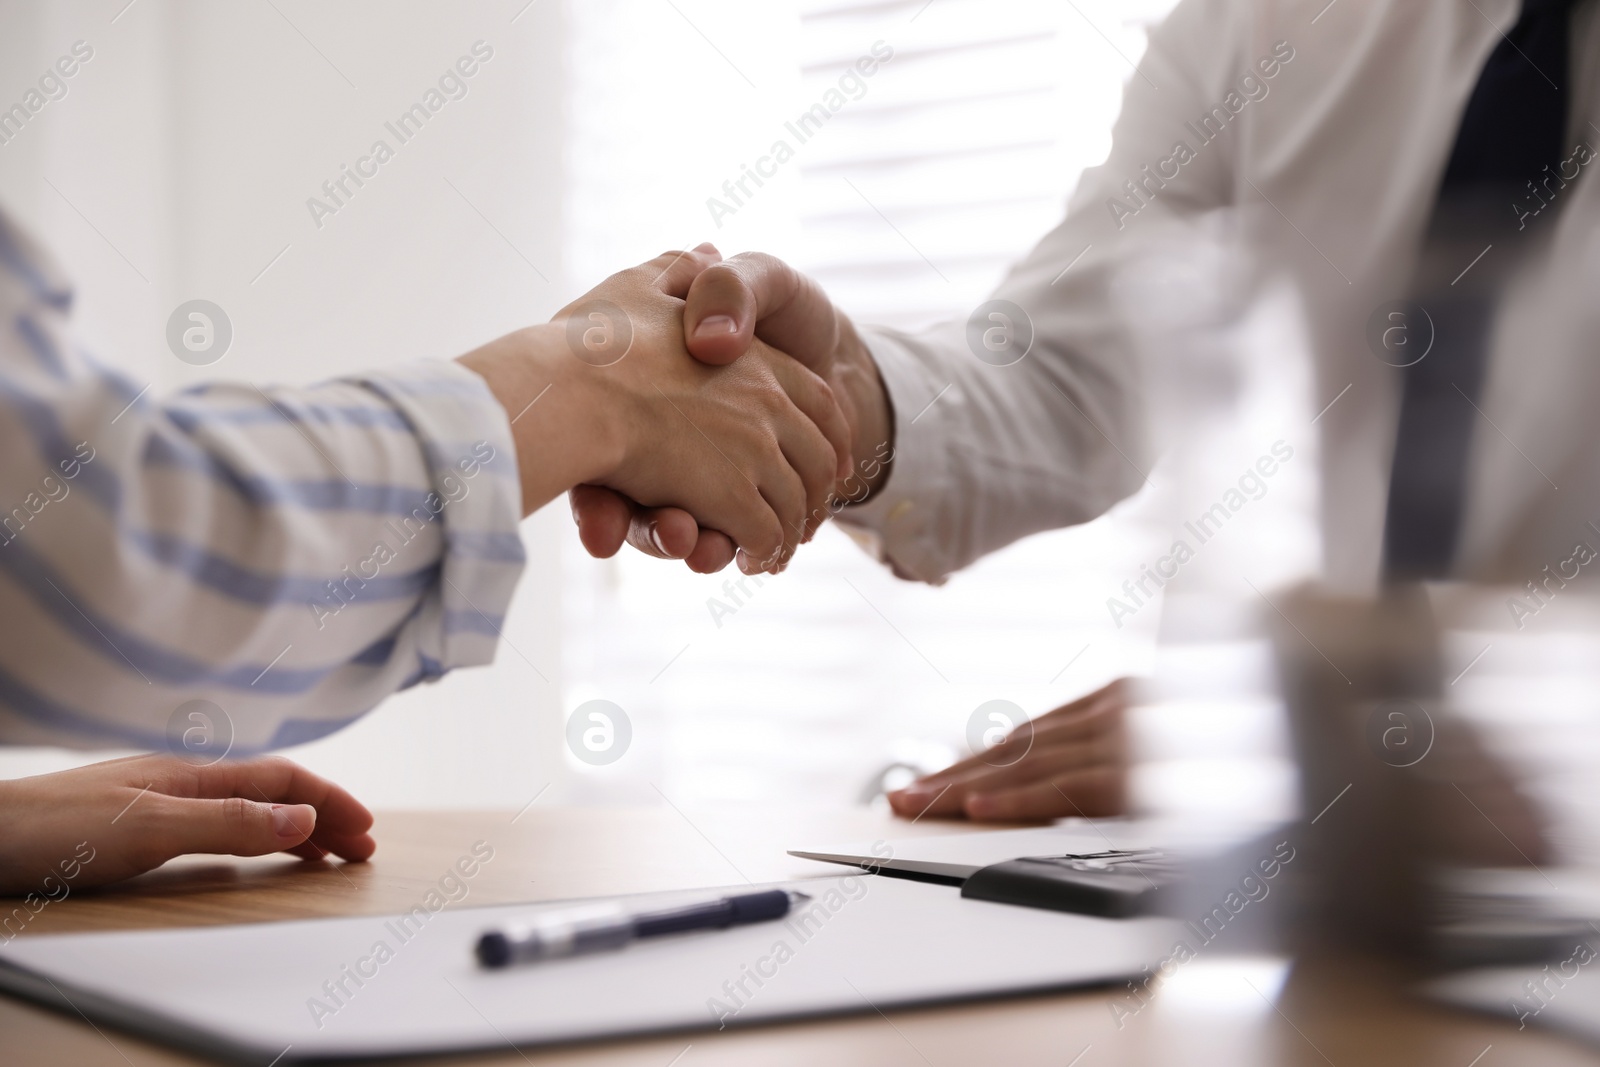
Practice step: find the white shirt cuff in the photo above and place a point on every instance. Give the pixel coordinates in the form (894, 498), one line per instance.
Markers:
(897, 524)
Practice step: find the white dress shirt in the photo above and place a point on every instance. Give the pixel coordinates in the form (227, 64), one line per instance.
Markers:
(1330, 127)
(289, 556)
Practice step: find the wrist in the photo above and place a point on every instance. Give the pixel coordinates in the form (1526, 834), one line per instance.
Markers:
(563, 431)
(871, 414)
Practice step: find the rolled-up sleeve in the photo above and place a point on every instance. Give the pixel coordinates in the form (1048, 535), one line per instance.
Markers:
(289, 556)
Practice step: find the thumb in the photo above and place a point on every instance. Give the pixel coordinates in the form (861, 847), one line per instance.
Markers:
(231, 826)
(757, 295)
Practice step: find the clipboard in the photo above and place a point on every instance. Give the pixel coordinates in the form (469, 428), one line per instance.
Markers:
(323, 990)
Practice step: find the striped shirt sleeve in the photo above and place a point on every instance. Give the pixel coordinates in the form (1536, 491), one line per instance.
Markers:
(285, 557)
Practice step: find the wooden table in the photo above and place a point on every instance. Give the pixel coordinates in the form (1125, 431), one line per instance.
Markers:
(1346, 1012)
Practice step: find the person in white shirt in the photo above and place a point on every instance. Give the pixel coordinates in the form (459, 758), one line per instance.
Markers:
(1331, 138)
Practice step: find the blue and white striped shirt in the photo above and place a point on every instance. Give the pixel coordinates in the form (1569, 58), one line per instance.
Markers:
(291, 555)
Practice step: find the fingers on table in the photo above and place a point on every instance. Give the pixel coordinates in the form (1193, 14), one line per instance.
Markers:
(164, 827)
(1045, 783)
(1047, 790)
(1101, 712)
(1048, 741)
(249, 804)
(1090, 792)
(935, 800)
(1075, 762)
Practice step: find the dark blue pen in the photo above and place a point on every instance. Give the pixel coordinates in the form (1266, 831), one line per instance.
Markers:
(596, 929)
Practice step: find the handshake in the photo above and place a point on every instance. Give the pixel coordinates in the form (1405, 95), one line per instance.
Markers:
(701, 409)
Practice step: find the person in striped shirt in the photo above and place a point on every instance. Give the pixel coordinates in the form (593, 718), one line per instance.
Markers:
(239, 568)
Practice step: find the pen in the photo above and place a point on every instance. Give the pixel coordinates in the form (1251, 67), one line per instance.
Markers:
(595, 929)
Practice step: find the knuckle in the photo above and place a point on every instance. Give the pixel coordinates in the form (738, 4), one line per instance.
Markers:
(273, 763)
(238, 815)
(762, 261)
(768, 541)
(823, 391)
(700, 261)
(723, 273)
(763, 458)
(772, 397)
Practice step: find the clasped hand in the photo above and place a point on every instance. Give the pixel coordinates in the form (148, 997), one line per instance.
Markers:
(743, 442)
(754, 307)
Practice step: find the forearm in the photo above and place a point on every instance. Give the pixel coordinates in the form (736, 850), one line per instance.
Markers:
(291, 555)
(562, 436)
